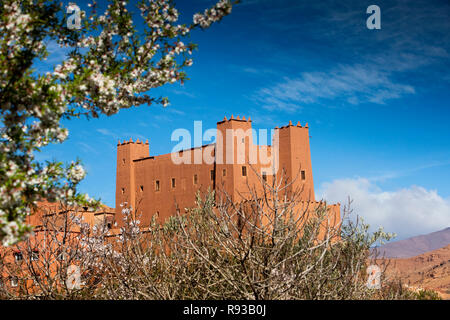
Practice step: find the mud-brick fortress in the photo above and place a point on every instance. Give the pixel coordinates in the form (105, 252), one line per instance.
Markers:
(159, 185)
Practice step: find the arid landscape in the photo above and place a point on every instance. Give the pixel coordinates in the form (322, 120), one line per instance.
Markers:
(429, 270)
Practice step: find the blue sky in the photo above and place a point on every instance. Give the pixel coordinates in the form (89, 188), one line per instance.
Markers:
(377, 101)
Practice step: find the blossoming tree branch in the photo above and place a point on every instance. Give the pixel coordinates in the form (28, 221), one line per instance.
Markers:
(112, 65)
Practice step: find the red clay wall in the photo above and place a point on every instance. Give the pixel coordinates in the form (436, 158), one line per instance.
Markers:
(138, 173)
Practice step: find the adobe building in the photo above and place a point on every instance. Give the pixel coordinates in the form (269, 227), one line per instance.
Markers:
(50, 247)
(159, 185)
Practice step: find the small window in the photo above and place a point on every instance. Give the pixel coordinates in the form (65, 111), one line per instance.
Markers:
(224, 172)
(195, 179)
(35, 255)
(173, 182)
(303, 175)
(244, 171)
(18, 256)
(123, 160)
(141, 188)
(264, 176)
(123, 190)
(14, 281)
(157, 185)
(212, 175)
(243, 140)
(109, 225)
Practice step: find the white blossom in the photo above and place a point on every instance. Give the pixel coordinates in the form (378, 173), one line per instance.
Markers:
(77, 173)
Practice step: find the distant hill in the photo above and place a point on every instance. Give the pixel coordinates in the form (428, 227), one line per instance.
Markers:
(416, 245)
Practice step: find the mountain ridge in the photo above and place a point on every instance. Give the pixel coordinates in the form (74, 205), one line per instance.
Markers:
(414, 246)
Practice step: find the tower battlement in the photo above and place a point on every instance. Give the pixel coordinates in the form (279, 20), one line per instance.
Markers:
(131, 142)
(232, 118)
(291, 125)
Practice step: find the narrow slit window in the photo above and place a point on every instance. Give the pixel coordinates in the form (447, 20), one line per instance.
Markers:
(303, 175)
(173, 182)
(244, 171)
(123, 190)
(212, 175)
(264, 176)
(195, 179)
(141, 188)
(224, 172)
(157, 185)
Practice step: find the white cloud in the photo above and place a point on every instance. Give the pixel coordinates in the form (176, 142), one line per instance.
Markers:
(122, 136)
(87, 148)
(407, 212)
(107, 132)
(353, 83)
(183, 92)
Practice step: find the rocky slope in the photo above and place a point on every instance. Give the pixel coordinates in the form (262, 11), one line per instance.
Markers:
(430, 270)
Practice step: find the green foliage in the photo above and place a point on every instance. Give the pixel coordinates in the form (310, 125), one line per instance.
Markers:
(426, 294)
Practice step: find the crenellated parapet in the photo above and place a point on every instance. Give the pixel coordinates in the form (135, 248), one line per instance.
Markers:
(291, 125)
(131, 142)
(232, 118)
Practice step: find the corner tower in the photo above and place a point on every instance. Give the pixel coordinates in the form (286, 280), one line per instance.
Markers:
(295, 159)
(125, 174)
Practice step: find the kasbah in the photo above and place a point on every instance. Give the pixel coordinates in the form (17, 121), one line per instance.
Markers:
(164, 186)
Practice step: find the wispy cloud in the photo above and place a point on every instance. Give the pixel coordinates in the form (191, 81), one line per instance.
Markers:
(353, 84)
(106, 132)
(175, 111)
(121, 135)
(354, 65)
(87, 148)
(183, 93)
(407, 172)
(255, 70)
